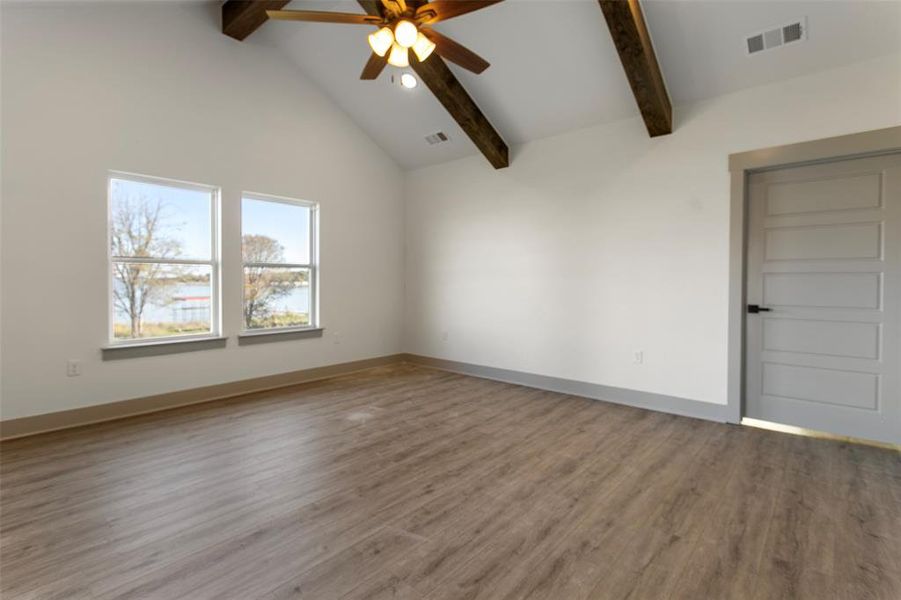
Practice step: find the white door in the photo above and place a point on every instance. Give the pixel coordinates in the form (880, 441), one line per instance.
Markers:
(824, 266)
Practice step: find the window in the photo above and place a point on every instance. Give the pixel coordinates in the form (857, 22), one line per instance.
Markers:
(164, 270)
(279, 245)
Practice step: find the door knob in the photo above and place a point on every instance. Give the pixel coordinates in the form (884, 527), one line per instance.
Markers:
(754, 309)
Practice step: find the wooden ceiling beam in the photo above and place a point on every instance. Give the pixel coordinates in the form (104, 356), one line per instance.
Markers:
(240, 18)
(441, 81)
(633, 43)
(436, 75)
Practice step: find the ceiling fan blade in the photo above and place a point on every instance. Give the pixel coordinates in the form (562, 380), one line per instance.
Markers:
(456, 53)
(323, 17)
(374, 66)
(442, 10)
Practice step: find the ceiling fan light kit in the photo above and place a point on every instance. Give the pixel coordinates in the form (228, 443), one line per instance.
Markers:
(399, 56)
(405, 33)
(423, 47)
(402, 27)
(381, 41)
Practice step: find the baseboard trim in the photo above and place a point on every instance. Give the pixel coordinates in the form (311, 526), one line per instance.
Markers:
(88, 415)
(638, 399)
(78, 417)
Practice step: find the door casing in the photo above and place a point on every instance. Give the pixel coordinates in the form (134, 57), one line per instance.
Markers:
(741, 165)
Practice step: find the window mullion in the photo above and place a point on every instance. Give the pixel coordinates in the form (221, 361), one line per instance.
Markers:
(278, 265)
(161, 261)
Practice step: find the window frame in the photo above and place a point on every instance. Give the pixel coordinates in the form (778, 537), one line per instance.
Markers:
(312, 266)
(213, 262)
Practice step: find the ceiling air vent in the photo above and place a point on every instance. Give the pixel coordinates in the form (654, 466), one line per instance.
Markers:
(436, 138)
(789, 33)
(755, 44)
(793, 33)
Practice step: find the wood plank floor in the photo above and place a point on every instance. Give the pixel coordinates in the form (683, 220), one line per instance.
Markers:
(406, 482)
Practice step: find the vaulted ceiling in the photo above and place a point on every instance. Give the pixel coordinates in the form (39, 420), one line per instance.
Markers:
(554, 66)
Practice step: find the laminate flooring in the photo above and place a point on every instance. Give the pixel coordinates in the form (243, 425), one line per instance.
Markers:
(413, 483)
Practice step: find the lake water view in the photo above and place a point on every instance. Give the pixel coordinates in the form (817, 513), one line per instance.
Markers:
(191, 303)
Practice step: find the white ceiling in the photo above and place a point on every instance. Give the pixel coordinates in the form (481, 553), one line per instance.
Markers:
(554, 67)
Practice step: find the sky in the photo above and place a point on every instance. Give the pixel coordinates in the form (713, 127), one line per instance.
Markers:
(186, 213)
(289, 224)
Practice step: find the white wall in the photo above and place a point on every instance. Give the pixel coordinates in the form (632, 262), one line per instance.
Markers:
(601, 242)
(591, 246)
(157, 89)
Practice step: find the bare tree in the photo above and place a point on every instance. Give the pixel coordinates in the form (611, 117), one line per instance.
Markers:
(137, 231)
(262, 286)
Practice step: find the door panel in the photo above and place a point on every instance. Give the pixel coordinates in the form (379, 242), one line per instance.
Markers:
(828, 386)
(814, 336)
(819, 195)
(828, 290)
(824, 256)
(855, 240)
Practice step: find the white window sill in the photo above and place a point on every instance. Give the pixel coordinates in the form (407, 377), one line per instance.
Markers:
(159, 347)
(264, 336)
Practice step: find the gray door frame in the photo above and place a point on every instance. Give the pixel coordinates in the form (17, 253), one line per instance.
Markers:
(743, 164)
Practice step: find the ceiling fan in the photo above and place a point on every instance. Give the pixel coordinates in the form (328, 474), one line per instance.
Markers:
(403, 26)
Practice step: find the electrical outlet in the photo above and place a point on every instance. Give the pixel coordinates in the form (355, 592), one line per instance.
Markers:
(73, 368)
(336, 338)
(443, 336)
(638, 357)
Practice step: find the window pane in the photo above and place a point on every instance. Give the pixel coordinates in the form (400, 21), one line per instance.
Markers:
(275, 232)
(276, 297)
(159, 221)
(156, 300)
